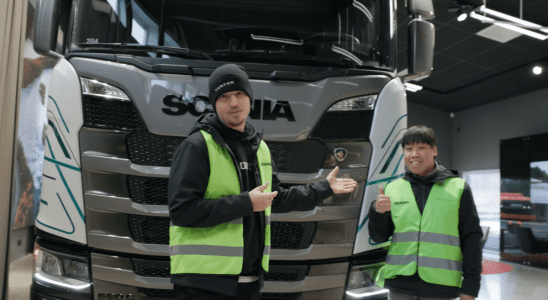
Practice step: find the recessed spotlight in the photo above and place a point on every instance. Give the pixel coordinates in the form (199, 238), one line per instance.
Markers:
(537, 70)
(462, 17)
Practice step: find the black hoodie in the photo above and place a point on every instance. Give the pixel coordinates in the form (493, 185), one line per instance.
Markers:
(188, 182)
(381, 228)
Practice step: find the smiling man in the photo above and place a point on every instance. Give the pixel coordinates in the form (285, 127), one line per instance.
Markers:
(432, 219)
(222, 189)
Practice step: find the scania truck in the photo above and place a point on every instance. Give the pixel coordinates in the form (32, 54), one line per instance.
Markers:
(131, 80)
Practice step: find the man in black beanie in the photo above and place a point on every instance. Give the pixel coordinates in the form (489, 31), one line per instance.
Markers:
(222, 189)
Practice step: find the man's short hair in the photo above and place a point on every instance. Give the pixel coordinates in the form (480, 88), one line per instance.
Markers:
(419, 134)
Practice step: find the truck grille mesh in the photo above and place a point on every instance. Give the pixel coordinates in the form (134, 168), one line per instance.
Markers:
(344, 125)
(145, 148)
(157, 293)
(299, 157)
(170, 294)
(285, 235)
(108, 114)
(146, 190)
(280, 296)
(149, 268)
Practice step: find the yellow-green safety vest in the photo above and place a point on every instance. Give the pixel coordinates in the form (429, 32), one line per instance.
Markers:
(219, 249)
(427, 243)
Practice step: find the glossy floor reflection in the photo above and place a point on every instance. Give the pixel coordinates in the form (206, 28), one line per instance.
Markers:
(522, 283)
(20, 278)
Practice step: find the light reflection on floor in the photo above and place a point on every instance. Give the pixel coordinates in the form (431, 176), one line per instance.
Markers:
(523, 282)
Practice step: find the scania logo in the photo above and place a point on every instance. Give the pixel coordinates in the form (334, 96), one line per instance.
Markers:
(261, 110)
(115, 297)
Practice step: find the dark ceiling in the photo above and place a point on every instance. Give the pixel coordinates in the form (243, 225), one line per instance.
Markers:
(471, 70)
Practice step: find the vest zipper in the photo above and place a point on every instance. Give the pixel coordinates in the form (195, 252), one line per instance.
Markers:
(419, 241)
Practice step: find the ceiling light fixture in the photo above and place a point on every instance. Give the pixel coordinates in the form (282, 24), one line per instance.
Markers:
(537, 70)
(462, 17)
(412, 87)
(486, 15)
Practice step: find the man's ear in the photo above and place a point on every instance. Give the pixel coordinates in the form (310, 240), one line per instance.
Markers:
(435, 150)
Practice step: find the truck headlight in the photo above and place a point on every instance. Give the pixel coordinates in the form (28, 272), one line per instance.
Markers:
(361, 283)
(103, 90)
(358, 103)
(60, 270)
(347, 120)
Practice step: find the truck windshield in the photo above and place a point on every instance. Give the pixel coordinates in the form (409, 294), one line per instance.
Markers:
(349, 33)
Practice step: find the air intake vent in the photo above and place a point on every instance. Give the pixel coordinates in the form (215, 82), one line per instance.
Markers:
(156, 293)
(280, 296)
(285, 235)
(146, 190)
(111, 114)
(145, 148)
(344, 125)
(150, 268)
(299, 157)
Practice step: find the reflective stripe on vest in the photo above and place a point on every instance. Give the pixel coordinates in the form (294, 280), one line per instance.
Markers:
(219, 249)
(427, 243)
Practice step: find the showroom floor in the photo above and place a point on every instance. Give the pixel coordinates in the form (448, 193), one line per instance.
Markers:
(522, 283)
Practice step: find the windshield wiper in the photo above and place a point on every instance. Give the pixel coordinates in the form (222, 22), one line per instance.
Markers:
(173, 51)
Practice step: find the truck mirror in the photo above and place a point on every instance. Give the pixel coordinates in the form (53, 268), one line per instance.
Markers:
(421, 9)
(46, 24)
(420, 49)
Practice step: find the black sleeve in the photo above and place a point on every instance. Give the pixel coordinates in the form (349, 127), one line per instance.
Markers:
(298, 197)
(381, 227)
(188, 181)
(470, 237)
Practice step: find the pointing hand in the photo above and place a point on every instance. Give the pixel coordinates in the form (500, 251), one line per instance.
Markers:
(341, 185)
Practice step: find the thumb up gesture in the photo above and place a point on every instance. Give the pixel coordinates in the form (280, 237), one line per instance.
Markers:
(382, 204)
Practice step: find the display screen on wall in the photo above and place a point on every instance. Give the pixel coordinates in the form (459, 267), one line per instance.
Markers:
(524, 200)
(539, 182)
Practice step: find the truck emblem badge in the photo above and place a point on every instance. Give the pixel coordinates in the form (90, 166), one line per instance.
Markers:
(340, 153)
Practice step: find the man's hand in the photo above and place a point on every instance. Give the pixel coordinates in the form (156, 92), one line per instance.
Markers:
(260, 200)
(466, 297)
(341, 185)
(382, 204)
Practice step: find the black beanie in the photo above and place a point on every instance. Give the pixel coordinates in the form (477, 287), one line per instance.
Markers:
(228, 78)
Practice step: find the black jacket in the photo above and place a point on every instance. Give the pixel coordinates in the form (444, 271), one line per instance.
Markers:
(188, 182)
(381, 228)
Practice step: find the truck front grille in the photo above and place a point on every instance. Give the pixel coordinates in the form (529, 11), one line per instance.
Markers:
(157, 293)
(170, 294)
(145, 148)
(285, 235)
(147, 190)
(108, 114)
(344, 125)
(149, 268)
(280, 296)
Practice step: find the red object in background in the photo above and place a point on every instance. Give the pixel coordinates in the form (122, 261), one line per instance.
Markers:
(513, 196)
(516, 217)
(516, 207)
(494, 267)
